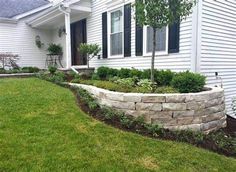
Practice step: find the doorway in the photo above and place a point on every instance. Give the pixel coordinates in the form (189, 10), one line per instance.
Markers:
(78, 36)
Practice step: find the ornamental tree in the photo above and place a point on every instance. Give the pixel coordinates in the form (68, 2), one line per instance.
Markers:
(161, 13)
(90, 50)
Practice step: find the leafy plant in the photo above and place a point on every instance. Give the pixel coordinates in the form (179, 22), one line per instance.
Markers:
(55, 49)
(90, 50)
(30, 69)
(164, 77)
(158, 14)
(124, 73)
(103, 72)
(95, 77)
(128, 82)
(188, 82)
(52, 69)
(145, 84)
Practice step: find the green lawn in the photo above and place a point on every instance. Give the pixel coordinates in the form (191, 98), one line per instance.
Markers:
(42, 129)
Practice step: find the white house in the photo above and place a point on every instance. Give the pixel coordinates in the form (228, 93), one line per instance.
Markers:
(205, 42)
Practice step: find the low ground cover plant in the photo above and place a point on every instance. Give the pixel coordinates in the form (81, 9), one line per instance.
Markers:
(20, 70)
(133, 80)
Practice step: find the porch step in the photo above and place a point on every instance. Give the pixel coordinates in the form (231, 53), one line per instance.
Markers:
(86, 71)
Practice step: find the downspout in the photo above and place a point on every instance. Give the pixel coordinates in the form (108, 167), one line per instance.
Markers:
(195, 39)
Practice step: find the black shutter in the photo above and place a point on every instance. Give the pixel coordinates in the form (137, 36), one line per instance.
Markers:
(174, 33)
(104, 35)
(139, 40)
(127, 30)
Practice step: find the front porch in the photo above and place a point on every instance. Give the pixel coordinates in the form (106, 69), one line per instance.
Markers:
(66, 23)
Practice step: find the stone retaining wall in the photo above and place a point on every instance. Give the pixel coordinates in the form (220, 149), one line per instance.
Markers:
(204, 111)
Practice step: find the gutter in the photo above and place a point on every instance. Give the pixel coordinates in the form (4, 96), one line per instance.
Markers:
(8, 20)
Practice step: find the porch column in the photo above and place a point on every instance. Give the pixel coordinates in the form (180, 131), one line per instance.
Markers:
(68, 40)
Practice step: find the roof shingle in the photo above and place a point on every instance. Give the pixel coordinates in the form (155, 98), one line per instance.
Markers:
(11, 8)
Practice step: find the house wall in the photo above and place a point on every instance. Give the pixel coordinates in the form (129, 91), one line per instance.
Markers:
(60, 40)
(19, 39)
(177, 62)
(218, 45)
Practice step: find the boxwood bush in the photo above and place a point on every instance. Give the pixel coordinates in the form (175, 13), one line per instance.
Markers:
(188, 82)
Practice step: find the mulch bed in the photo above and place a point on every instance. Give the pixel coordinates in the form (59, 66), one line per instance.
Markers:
(231, 125)
(207, 143)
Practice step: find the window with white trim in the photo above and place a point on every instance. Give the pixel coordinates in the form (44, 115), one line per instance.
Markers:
(116, 30)
(161, 40)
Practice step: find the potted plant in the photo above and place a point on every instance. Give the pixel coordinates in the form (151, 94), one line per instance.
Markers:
(54, 49)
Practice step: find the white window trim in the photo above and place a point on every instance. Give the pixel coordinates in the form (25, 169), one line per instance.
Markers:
(121, 7)
(158, 53)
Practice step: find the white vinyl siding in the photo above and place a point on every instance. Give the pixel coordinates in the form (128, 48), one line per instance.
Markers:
(177, 61)
(218, 45)
(20, 39)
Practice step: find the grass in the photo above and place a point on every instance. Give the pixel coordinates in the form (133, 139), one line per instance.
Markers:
(42, 129)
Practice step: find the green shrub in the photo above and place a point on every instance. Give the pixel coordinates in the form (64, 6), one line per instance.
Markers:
(163, 90)
(164, 77)
(95, 77)
(124, 73)
(126, 121)
(30, 69)
(103, 72)
(108, 113)
(135, 73)
(146, 74)
(57, 77)
(52, 69)
(2, 71)
(187, 82)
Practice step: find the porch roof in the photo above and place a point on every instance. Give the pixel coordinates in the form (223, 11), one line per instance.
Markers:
(54, 16)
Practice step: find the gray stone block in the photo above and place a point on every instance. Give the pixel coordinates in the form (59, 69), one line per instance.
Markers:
(149, 106)
(174, 106)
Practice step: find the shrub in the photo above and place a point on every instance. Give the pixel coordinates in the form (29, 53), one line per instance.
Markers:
(95, 77)
(164, 77)
(135, 73)
(2, 71)
(146, 74)
(162, 90)
(57, 77)
(124, 73)
(30, 69)
(187, 82)
(126, 121)
(52, 69)
(103, 72)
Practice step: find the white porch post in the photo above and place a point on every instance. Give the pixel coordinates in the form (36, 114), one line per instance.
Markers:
(68, 40)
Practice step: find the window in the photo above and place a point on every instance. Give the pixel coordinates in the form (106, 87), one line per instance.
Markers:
(161, 40)
(116, 33)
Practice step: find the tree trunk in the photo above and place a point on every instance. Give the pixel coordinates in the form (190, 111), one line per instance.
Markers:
(153, 55)
(88, 61)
